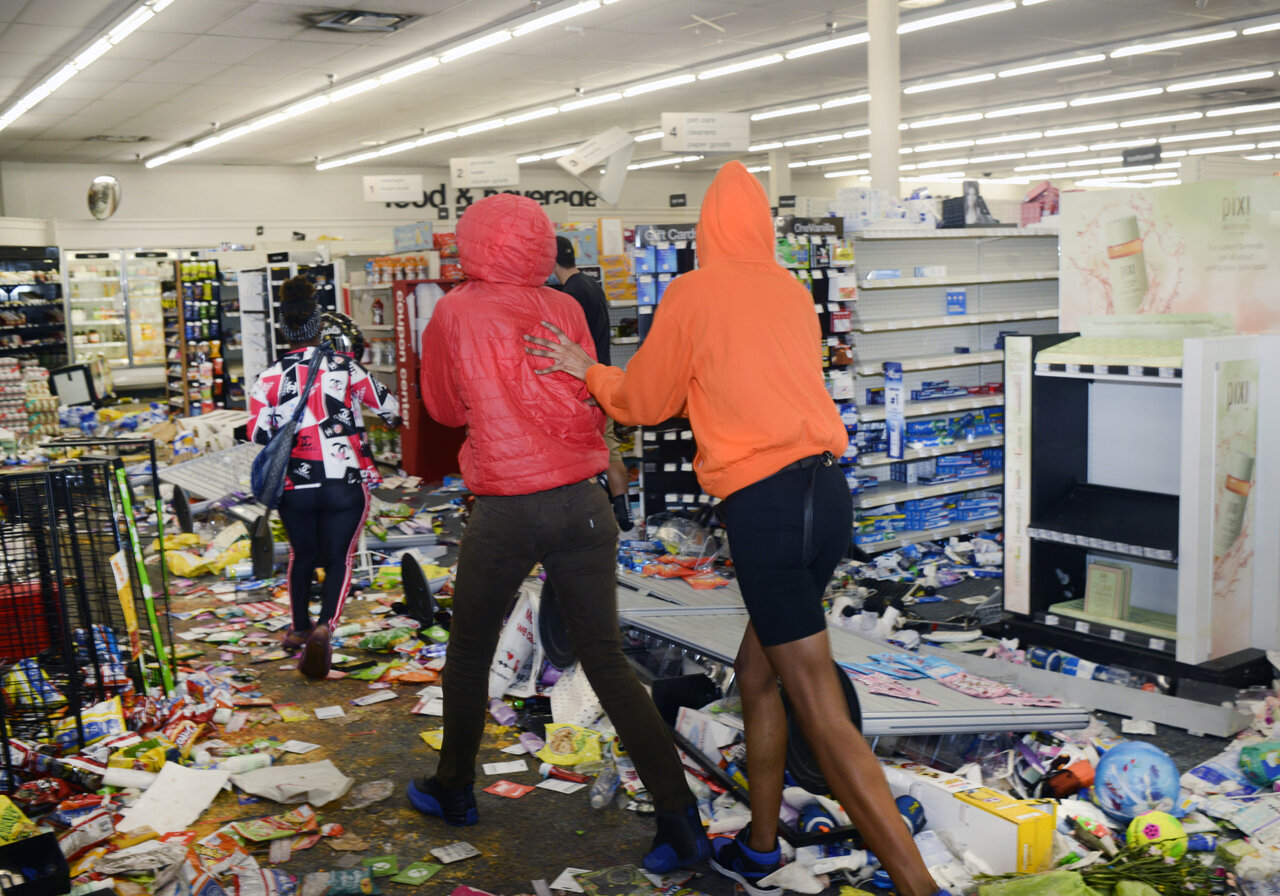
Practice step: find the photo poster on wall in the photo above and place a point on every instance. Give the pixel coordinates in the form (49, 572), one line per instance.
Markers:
(1192, 248)
(1235, 451)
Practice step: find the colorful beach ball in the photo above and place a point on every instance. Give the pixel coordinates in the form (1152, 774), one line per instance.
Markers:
(1134, 777)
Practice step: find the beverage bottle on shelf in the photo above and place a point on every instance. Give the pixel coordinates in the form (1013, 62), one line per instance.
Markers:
(378, 312)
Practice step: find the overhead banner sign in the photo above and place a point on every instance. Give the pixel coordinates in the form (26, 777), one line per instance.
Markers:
(613, 148)
(392, 187)
(1141, 155)
(706, 131)
(484, 171)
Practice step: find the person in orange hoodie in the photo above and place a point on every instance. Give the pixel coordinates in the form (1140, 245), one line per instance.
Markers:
(736, 347)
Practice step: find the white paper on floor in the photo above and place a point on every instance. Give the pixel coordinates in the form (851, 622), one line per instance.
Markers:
(316, 783)
(176, 799)
(566, 880)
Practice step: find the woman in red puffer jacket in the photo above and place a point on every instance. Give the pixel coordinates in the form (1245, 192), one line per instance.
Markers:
(533, 450)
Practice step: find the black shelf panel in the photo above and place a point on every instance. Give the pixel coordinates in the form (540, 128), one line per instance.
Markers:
(1117, 520)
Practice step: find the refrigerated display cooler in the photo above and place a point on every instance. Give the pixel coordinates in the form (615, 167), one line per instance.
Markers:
(31, 309)
(114, 310)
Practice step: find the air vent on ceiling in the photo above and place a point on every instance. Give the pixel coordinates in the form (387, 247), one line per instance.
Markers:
(116, 138)
(361, 20)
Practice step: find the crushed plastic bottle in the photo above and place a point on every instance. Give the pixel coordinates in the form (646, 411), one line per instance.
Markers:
(501, 712)
(604, 787)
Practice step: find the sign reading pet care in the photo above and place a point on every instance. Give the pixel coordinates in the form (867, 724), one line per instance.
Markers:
(706, 131)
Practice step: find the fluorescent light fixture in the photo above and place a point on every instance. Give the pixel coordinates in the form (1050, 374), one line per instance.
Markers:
(847, 101)
(1168, 165)
(552, 18)
(938, 175)
(836, 160)
(525, 160)
(61, 76)
(1151, 175)
(475, 46)
(790, 110)
(435, 138)
(1172, 154)
(343, 93)
(1260, 158)
(1127, 169)
(950, 82)
(94, 52)
(1001, 157)
(306, 105)
(1202, 135)
(267, 121)
(1026, 110)
(947, 119)
(1116, 97)
(1269, 144)
(763, 147)
(959, 15)
(905, 150)
(1261, 29)
(648, 135)
(1206, 150)
(657, 163)
(590, 101)
(797, 164)
(951, 144)
(1119, 144)
(857, 132)
(1171, 44)
(1220, 80)
(1009, 138)
(1050, 66)
(1075, 175)
(1081, 129)
(555, 154)
(159, 5)
(490, 125)
(759, 169)
(320, 166)
(734, 68)
(136, 20)
(544, 112)
(660, 84)
(409, 68)
(835, 43)
(1041, 166)
(854, 173)
(1161, 119)
(394, 148)
(1258, 129)
(806, 141)
(1066, 150)
(942, 163)
(1105, 160)
(1243, 110)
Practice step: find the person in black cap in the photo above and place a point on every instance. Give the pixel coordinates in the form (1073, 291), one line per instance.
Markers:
(588, 293)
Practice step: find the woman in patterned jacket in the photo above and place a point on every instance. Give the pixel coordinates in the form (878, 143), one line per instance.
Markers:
(330, 472)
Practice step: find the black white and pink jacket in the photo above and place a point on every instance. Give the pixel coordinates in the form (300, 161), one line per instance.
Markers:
(331, 445)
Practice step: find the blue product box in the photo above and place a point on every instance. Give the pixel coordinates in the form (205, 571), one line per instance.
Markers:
(848, 415)
(894, 408)
(666, 260)
(646, 291)
(956, 301)
(875, 396)
(884, 274)
(661, 288)
(646, 260)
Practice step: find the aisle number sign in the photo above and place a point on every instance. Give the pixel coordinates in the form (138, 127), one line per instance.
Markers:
(706, 131)
(484, 171)
(392, 187)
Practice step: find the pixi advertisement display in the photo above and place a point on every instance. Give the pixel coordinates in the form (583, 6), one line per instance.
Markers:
(1192, 248)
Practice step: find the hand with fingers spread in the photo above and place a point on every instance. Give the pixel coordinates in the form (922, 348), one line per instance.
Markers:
(567, 354)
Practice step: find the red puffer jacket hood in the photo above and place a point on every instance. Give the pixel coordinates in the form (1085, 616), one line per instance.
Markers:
(525, 433)
(507, 239)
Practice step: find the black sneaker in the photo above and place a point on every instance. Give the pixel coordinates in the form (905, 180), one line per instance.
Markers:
(680, 841)
(739, 862)
(456, 807)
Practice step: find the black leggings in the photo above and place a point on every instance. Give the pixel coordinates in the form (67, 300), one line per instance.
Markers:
(323, 523)
(782, 579)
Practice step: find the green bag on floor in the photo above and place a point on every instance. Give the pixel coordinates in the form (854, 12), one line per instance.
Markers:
(1051, 883)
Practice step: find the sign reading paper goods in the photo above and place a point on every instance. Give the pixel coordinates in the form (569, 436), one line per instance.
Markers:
(484, 171)
(392, 187)
(706, 131)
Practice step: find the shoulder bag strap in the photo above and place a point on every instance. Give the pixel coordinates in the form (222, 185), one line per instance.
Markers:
(306, 391)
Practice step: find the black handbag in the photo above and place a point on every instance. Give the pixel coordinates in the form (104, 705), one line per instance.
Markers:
(266, 479)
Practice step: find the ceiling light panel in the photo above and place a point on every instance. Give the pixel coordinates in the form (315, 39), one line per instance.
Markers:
(960, 15)
(1116, 97)
(553, 18)
(660, 84)
(1243, 110)
(1027, 109)
(949, 82)
(1069, 62)
(1220, 80)
(1172, 44)
(734, 68)
(790, 110)
(837, 43)
(1161, 119)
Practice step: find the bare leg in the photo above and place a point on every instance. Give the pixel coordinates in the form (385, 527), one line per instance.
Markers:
(766, 735)
(846, 760)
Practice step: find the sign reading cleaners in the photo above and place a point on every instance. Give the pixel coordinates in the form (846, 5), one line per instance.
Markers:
(706, 131)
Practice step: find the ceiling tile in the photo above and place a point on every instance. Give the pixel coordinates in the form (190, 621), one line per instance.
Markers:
(179, 72)
(223, 50)
(44, 40)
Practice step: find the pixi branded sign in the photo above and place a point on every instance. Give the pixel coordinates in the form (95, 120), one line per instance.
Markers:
(448, 197)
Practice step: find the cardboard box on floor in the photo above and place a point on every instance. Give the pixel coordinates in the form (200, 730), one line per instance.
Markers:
(1007, 834)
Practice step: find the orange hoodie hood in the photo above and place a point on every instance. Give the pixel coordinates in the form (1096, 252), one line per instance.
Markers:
(735, 224)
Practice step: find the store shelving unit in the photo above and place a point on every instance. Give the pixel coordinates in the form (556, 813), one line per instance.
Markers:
(1010, 278)
(32, 322)
(1121, 463)
(195, 383)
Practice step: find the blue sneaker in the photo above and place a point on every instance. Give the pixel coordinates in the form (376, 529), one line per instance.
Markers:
(739, 862)
(680, 841)
(456, 807)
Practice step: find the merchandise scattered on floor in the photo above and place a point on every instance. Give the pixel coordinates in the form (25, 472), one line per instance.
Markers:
(234, 773)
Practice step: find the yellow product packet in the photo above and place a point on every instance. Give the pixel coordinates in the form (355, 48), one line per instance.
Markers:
(570, 745)
(433, 738)
(14, 825)
(238, 551)
(185, 564)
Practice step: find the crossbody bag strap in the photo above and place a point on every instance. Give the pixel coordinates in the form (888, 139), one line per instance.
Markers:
(306, 391)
